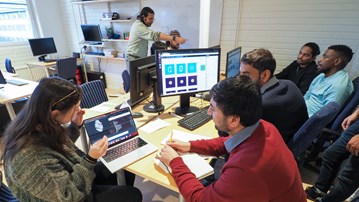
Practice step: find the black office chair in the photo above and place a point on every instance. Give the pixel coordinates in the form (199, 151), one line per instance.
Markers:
(66, 68)
(332, 131)
(8, 66)
(310, 130)
(94, 94)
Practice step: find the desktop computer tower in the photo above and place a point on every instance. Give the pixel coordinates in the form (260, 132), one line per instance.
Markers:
(92, 75)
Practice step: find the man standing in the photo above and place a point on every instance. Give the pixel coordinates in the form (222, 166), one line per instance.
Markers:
(283, 103)
(333, 84)
(140, 34)
(260, 167)
(303, 70)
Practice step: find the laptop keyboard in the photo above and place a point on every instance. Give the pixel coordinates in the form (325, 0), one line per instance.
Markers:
(123, 149)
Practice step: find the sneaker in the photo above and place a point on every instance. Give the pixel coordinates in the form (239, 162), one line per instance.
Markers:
(313, 193)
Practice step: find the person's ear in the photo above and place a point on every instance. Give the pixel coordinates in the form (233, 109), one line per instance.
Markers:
(338, 61)
(265, 76)
(233, 121)
(55, 113)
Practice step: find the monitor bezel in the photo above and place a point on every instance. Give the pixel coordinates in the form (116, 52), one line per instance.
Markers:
(94, 27)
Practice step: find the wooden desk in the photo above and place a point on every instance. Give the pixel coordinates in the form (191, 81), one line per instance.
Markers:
(47, 65)
(146, 167)
(10, 93)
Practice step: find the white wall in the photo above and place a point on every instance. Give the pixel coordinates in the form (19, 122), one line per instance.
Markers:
(283, 26)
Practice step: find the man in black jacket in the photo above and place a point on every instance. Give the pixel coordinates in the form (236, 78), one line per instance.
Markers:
(303, 70)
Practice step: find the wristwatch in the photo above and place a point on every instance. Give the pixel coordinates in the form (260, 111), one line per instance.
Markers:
(174, 38)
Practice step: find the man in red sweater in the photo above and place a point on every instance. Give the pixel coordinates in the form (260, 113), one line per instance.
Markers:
(260, 166)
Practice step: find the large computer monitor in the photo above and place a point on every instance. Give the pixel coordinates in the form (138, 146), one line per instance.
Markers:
(233, 62)
(92, 34)
(141, 72)
(186, 71)
(42, 46)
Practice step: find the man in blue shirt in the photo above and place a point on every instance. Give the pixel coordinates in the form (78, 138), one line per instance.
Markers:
(333, 84)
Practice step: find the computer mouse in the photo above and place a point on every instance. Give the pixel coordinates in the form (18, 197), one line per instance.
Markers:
(102, 54)
(137, 114)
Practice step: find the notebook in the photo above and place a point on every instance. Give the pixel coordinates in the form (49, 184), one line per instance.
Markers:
(124, 144)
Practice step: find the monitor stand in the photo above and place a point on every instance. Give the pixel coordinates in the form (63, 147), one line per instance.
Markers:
(42, 58)
(155, 106)
(184, 107)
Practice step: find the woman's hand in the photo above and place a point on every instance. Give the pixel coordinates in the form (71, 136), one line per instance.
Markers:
(98, 149)
(77, 118)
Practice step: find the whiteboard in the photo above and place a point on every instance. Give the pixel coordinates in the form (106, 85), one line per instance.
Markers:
(184, 16)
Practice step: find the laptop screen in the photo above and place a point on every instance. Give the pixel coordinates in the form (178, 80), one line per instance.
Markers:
(2, 78)
(118, 126)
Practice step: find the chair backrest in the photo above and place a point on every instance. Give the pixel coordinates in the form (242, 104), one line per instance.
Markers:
(5, 193)
(311, 129)
(94, 94)
(8, 66)
(66, 68)
(348, 108)
(126, 81)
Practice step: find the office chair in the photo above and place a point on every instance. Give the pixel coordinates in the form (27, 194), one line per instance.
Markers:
(332, 131)
(5, 193)
(126, 81)
(66, 68)
(8, 66)
(310, 129)
(93, 94)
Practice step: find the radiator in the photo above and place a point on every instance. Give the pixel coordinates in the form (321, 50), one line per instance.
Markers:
(37, 73)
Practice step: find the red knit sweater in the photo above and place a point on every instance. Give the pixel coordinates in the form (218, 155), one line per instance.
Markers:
(261, 168)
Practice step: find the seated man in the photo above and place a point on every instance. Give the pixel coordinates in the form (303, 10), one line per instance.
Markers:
(346, 147)
(283, 104)
(260, 166)
(303, 70)
(333, 84)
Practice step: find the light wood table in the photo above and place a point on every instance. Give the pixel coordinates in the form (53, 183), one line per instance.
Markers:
(11, 92)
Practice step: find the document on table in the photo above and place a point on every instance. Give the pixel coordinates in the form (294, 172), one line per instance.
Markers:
(154, 125)
(184, 137)
(104, 107)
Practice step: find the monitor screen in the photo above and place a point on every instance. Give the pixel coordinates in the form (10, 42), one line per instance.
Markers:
(42, 47)
(141, 84)
(186, 71)
(233, 62)
(92, 33)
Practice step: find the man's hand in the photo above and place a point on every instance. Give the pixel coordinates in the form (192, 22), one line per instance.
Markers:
(349, 120)
(353, 145)
(179, 146)
(167, 154)
(99, 149)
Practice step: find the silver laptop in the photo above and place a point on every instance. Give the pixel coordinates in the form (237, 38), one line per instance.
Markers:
(124, 144)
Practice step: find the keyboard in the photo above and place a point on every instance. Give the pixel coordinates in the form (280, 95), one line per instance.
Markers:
(123, 149)
(196, 119)
(95, 53)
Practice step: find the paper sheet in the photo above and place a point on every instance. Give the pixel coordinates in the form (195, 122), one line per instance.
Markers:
(104, 107)
(183, 136)
(154, 125)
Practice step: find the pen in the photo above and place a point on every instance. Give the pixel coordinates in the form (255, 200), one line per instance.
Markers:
(175, 115)
(171, 136)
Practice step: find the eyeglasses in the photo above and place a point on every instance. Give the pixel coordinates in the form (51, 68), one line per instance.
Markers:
(66, 96)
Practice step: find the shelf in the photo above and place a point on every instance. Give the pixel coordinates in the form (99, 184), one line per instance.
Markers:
(100, 56)
(115, 40)
(93, 1)
(110, 20)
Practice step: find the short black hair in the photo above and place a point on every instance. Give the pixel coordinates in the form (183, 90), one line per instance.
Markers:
(144, 13)
(239, 96)
(261, 59)
(315, 48)
(344, 52)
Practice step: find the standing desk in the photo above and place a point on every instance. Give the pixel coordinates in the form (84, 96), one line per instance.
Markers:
(11, 92)
(146, 167)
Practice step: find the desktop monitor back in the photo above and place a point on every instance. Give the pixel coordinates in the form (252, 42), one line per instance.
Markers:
(233, 62)
(42, 46)
(141, 71)
(185, 72)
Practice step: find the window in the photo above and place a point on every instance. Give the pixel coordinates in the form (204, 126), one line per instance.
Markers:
(15, 23)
